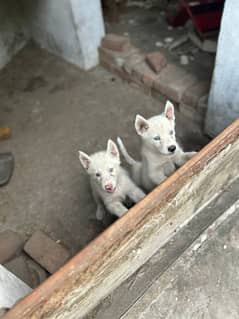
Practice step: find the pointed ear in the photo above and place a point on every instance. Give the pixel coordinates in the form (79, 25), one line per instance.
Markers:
(85, 160)
(169, 111)
(112, 149)
(141, 124)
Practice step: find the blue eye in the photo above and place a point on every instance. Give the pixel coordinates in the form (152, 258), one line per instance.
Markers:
(97, 174)
(157, 138)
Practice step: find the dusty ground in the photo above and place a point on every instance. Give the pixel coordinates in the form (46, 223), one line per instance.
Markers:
(146, 27)
(54, 109)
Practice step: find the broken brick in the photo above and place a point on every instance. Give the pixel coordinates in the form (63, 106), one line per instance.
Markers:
(115, 42)
(173, 81)
(46, 252)
(10, 245)
(192, 95)
(116, 70)
(143, 73)
(117, 58)
(133, 59)
(156, 61)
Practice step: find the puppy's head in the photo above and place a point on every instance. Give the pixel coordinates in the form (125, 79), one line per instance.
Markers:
(103, 166)
(158, 132)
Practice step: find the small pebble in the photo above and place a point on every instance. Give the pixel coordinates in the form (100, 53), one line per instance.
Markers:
(225, 247)
(159, 44)
(184, 59)
(168, 40)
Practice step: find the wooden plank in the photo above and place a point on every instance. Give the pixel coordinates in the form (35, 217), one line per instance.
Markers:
(102, 265)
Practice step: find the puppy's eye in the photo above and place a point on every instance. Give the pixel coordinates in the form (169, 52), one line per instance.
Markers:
(97, 174)
(111, 170)
(157, 138)
(171, 132)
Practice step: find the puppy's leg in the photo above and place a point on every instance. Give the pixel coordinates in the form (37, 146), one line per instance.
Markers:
(116, 208)
(157, 177)
(134, 192)
(181, 158)
(100, 210)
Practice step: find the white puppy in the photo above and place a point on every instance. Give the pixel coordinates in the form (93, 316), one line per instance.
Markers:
(160, 152)
(110, 183)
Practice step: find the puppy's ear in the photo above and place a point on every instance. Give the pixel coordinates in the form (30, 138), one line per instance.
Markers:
(112, 149)
(85, 160)
(141, 125)
(169, 111)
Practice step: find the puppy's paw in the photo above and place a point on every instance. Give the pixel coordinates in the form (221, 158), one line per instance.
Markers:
(100, 213)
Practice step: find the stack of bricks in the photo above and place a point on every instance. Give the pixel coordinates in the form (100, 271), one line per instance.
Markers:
(155, 76)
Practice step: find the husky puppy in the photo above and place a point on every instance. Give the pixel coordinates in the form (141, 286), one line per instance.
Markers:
(160, 152)
(110, 183)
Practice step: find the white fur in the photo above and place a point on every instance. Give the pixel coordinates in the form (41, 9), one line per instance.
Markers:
(104, 169)
(158, 136)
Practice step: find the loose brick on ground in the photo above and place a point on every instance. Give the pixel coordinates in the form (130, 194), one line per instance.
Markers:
(18, 266)
(156, 61)
(46, 252)
(142, 73)
(115, 42)
(173, 81)
(116, 70)
(116, 58)
(132, 60)
(11, 245)
(192, 95)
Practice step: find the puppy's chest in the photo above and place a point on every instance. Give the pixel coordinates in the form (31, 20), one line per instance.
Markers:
(166, 165)
(168, 168)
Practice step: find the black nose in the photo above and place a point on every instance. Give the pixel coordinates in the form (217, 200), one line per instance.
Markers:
(172, 148)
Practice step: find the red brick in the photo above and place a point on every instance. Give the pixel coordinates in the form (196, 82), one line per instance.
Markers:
(10, 245)
(143, 73)
(173, 81)
(114, 57)
(116, 70)
(156, 61)
(132, 60)
(192, 95)
(46, 252)
(115, 42)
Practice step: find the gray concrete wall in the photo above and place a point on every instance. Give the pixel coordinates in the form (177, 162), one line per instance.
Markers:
(71, 29)
(13, 30)
(223, 106)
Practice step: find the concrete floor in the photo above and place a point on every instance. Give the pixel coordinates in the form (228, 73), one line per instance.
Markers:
(54, 109)
(146, 27)
(203, 283)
